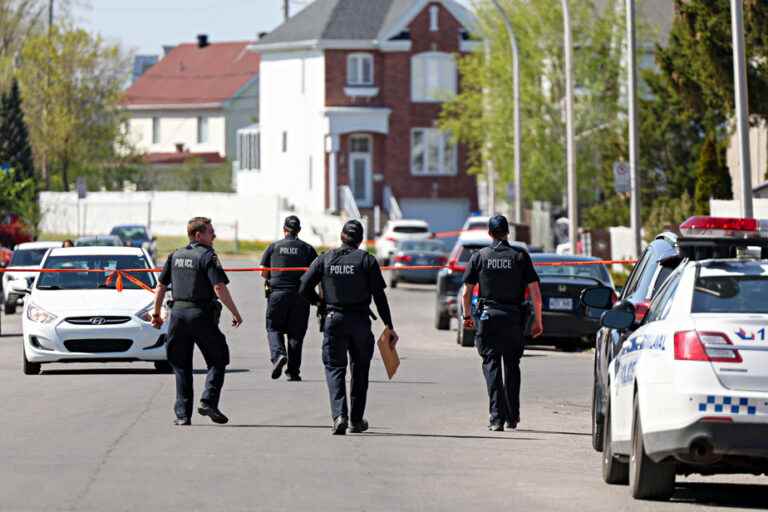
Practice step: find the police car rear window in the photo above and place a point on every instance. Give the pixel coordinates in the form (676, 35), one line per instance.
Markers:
(730, 294)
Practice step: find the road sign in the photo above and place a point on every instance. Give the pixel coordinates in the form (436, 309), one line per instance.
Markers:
(82, 190)
(621, 178)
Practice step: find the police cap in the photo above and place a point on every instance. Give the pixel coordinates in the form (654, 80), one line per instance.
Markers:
(292, 223)
(354, 230)
(498, 225)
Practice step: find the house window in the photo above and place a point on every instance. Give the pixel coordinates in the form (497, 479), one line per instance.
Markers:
(155, 130)
(433, 77)
(360, 69)
(432, 153)
(248, 151)
(285, 142)
(434, 11)
(202, 130)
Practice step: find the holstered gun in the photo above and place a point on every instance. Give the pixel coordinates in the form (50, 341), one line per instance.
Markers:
(322, 314)
(267, 288)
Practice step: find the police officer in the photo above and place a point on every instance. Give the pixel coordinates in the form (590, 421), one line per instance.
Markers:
(349, 278)
(503, 273)
(287, 311)
(198, 279)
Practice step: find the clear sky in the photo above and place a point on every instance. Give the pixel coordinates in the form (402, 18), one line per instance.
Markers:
(144, 26)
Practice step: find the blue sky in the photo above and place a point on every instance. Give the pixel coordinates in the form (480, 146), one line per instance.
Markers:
(144, 26)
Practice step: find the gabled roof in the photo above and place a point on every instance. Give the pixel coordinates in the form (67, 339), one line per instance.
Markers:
(190, 76)
(349, 21)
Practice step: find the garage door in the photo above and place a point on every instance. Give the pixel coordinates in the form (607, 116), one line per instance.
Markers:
(441, 214)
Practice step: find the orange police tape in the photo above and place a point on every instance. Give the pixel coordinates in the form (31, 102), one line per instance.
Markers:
(119, 275)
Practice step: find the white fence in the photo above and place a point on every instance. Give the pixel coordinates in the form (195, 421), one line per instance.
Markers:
(166, 213)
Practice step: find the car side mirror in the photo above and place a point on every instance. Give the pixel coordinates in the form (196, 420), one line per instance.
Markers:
(617, 319)
(19, 286)
(600, 297)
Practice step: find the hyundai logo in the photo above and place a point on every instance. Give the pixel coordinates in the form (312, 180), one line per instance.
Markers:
(562, 288)
(98, 320)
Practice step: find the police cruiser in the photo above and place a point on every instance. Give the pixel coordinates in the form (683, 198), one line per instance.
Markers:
(688, 389)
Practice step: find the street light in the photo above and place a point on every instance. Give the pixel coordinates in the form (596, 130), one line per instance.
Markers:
(516, 87)
(742, 113)
(573, 207)
(634, 175)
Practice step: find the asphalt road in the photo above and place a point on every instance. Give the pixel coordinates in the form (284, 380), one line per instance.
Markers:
(101, 437)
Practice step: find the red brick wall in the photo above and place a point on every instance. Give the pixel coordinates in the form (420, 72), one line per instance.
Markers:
(392, 74)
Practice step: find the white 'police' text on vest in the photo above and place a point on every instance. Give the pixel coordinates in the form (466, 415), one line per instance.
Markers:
(341, 270)
(183, 263)
(289, 250)
(498, 264)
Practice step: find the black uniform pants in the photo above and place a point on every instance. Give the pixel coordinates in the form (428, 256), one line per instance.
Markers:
(188, 327)
(287, 315)
(347, 333)
(499, 341)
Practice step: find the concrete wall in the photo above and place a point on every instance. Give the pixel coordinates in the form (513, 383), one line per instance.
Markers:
(291, 90)
(258, 217)
(758, 149)
(177, 127)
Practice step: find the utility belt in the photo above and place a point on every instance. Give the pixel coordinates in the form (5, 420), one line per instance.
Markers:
(212, 306)
(524, 310)
(323, 310)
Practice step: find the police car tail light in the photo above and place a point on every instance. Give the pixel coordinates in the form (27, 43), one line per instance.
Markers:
(453, 266)
(403, 258)
(641, 309)
(724, 227)
(704, 346)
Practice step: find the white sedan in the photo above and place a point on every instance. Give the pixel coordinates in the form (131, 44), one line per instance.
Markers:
(688, 391)
(78, 317)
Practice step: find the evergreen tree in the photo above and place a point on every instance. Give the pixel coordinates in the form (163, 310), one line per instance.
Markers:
(713, 180)
(15, 150)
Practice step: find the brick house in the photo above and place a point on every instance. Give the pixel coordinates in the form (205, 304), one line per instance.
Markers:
(350, 94)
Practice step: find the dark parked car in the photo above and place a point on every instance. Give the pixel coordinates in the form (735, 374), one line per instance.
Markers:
(416, 253)
(136, 235)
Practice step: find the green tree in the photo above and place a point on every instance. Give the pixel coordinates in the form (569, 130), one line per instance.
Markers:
(19, 196)
(15, 151)
(667, 213)
(712, 178)
(71, 82)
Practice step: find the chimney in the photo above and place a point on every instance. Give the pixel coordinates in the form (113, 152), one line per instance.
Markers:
(202, 40)
(262, 35)
(286, 9)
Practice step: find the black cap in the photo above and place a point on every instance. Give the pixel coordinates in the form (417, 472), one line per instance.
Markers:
(354, 230)
(292, 223)
(498, 224)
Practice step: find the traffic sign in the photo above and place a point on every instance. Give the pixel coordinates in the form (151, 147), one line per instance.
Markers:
(621, 178)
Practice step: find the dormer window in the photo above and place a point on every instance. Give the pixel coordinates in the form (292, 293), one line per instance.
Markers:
(360, 69)
(434, 13)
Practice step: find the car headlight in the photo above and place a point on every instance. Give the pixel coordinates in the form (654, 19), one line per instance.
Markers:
(39, 315)
(145, 314)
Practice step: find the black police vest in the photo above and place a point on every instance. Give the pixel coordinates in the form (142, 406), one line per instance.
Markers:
(189, 278)
(501, 276)
(288, 253)
(345, 280)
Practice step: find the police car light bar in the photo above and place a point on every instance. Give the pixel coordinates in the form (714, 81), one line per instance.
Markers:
(724, 227)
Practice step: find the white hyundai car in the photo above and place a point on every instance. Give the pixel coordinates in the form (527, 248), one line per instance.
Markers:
(25, 256)
(688, 390)
(79, 317)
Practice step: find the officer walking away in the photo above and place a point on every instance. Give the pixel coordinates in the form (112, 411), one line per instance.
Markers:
(349, 278)
(287, 311)
(503, 273)
(197, 280)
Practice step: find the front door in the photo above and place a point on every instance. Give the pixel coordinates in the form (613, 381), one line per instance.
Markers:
(361, 170)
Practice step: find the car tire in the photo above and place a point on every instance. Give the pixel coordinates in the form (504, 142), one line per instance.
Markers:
(393, 283)
(648, 480)
(465, 337)
(615, 472)
(163, 367)
(30, 368)
(442, 320)
(598, 422)
(9, 307)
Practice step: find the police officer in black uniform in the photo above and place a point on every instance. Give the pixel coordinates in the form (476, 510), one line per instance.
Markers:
(503, 273)
(349, 278)
(287, 311)
(198, 279)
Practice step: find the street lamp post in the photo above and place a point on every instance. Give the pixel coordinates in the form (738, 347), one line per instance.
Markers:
(634, 175)
(742, 106)
(573, 207)
(516, 87)
(489, 164)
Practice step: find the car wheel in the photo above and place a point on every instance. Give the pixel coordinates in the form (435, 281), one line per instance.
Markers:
(615, 472)
(442, 320)
(9, 307)
(393, 283)
(163, 367)
(598, 422)
(30, 368)
(649, 480)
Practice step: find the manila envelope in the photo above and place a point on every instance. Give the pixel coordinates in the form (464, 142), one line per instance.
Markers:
(388, 355)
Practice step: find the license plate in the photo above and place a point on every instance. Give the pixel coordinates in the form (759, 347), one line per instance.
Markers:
(419, 261)
(561, 304)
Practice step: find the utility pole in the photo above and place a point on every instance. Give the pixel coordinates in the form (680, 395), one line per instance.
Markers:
(44, 159)
(742, 106)
(490, 169)
(516, 87)
(573, 206)
(634, 174)
(286, 9)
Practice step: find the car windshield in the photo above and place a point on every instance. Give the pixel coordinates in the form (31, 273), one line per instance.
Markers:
(410, 229)
(590, 271)
(27, 257)
(730, 294)
(91, 280)
(131, 233)
(422, 245)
